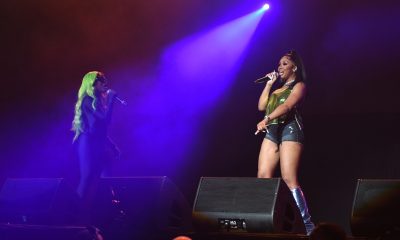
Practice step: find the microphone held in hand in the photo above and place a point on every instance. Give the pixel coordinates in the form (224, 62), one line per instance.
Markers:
(262, 80)
(265, 78)
(123, 102)
(264, 130)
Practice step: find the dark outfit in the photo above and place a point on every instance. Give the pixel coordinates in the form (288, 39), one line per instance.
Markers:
(92, 144)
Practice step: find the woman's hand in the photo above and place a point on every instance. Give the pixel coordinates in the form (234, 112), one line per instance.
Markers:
(273, 76)
(111, 93)
(262, 126)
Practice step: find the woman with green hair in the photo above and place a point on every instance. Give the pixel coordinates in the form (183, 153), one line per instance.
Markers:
(93, 111)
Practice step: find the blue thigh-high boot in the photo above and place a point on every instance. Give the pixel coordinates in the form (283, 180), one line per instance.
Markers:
(302, 205)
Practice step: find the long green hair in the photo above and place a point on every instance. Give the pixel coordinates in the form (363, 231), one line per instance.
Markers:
(86, 89)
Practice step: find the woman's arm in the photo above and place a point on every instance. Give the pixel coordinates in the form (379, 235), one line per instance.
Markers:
(263, 100)
(294, 98)
(114, 148)
(97, 113)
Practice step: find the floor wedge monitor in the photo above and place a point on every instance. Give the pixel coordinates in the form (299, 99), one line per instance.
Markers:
(245, 205)
(376, 208)
(48, 201)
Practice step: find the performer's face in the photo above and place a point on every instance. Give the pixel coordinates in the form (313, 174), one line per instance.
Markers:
(286, 68)
(100, 85)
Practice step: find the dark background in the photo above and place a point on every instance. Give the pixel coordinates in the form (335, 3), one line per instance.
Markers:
(350, 49)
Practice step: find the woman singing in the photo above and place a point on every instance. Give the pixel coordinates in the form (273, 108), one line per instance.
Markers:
(92, 117)
(284, 138)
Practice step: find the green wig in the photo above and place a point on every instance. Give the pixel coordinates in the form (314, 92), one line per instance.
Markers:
(86, 89)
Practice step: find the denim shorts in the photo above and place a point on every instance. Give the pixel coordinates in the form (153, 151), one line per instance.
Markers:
(290, 131)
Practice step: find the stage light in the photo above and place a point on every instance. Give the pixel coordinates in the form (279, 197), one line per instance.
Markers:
(265, 7)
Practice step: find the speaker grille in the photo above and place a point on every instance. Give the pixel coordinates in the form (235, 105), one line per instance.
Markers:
(245, 205)
(376, 208)
(377, 198)
(38, 201)
(235, 195)
(28, 195)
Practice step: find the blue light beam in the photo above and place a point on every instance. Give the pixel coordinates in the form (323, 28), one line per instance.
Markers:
(206, 63)
(192, 75)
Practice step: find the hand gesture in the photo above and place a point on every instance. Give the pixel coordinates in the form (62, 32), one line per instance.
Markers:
(111, 93)
(262, 126)
(273, 76)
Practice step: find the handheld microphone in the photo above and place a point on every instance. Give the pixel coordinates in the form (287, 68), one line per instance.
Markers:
(265, 78)
(263, 130)
(123, 102)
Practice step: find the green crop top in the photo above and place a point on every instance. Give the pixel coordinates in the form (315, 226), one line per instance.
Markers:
(276, 99)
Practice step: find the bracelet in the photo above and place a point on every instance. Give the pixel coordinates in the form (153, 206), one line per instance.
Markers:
(267, 118)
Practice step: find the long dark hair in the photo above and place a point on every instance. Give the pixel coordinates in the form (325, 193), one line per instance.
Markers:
(298, 62)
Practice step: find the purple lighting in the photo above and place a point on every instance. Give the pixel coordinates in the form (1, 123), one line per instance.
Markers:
(183, 91)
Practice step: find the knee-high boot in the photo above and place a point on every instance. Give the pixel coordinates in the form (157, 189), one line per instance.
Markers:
(302, 205)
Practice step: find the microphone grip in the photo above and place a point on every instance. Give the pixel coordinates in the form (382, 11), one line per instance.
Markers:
(263, 130)
(266, 78)
(262, 80)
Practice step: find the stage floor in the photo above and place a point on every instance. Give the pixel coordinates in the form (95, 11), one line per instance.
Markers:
(44, 232)
(253, 236)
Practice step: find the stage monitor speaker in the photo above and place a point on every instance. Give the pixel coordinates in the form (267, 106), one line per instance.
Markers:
(140, 208)
(376, 208)
(37, 201)
(245, 205)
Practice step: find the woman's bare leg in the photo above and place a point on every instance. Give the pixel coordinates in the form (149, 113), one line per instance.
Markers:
(268, 159)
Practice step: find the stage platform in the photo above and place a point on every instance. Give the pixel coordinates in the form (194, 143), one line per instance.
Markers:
(253, 236)
(44, 232)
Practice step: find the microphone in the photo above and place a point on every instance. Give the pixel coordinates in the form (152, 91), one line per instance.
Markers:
(263, 130)
(123, 102)
(265, 78)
